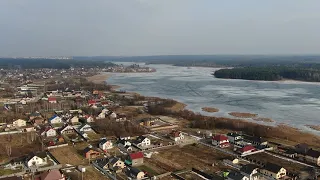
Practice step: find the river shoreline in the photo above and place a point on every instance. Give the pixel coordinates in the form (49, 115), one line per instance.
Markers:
(281, 129)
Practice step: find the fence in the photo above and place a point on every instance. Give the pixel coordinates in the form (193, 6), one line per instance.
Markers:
(53, 147)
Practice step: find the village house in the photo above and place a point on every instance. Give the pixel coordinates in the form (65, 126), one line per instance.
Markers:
(48, 132)
(124, 145)
(142, 141)
(55, 119)
(89, 119)
(105, 144)
(250, 171)
(103, 114)
(247, 149)
(67, 130)
(37, 121)
(121, 117)
(134, 173)
(53, 174)
(90, 153)
(220, 140)
(235, 175)
(313, 156)
(74, 120)
(34, 115)
(112, 115)
(38, 159)
(115, 164)
(52, 99)
(255, 140)
(176, 136)
(19, 123)
(135, 159)
(234, 137)
(85, 128)
(274, 171)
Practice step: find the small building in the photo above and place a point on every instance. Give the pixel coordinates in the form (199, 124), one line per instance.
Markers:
(105, 144)
(250, 171)
(176, 135)
(135, 159)
(19, 123)
(37, 159)
(90, 153)
(313, 156)
(48, 132)
(53, 174)
(52, 99)
(74, 120)
(246, 149)
(115, 164)
(142, 141)
(302, 148)
(37, 121)
(134, 173)
(55, 119)
(274, 171)
(67, 130)
(255, 140)
(220, 140)
(113, 115)
(85, 128)
(235, 175)
(234, 137)
(34, 115)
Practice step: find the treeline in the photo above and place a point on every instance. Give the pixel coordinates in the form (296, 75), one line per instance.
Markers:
(304, 72)
(12, 63)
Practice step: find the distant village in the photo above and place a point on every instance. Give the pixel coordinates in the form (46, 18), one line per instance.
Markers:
(57, 125)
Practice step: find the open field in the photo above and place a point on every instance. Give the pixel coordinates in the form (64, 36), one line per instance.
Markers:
(186, 157)
(90, 174)
(20, 144)
(99, 78)
(68, 155)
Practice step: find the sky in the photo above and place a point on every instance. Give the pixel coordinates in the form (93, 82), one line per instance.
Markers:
(158, 27)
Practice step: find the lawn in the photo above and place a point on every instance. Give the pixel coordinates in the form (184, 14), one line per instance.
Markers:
(68, 155)
(8, 171)
(187, 157)
(146, 168)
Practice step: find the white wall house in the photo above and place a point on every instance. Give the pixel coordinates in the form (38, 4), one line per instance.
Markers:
(55, 120)
(37, 161)
(105, 144)
(19, 123)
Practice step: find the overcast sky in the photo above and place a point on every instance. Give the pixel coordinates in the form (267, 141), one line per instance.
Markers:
(157, 27)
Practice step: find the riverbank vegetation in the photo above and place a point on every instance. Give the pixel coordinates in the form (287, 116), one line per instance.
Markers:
(210, 122)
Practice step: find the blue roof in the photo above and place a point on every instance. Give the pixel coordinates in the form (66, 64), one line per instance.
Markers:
(54, 116)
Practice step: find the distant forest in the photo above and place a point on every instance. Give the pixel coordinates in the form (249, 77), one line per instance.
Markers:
(310, 72)
(24, 63)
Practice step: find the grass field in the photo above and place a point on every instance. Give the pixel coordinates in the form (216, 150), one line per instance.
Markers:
(68, 155)
(20, 144)
(187, 157)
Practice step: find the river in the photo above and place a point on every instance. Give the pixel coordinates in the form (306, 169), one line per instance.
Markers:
(289, 102)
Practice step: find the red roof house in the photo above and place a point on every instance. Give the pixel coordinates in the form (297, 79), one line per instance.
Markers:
(221, 141)
(92, 102)
(136, 159)
(52, 99)
(246, 149)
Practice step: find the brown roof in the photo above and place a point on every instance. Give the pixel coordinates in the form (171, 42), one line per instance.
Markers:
(51, 175)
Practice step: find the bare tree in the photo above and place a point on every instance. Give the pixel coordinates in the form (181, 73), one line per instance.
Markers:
(8, 150)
